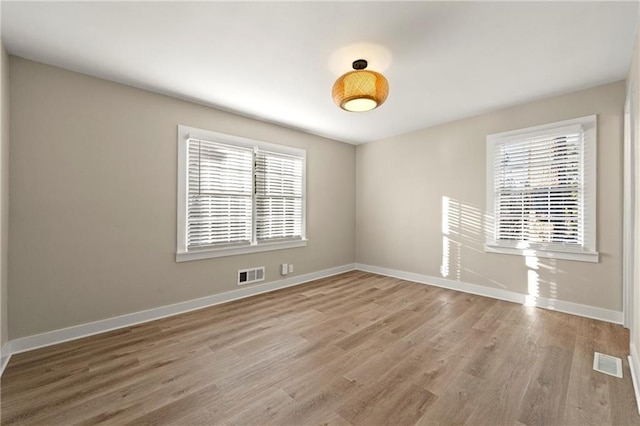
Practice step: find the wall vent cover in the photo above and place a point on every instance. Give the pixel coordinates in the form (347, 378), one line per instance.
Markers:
(607, 364)
(252, 275)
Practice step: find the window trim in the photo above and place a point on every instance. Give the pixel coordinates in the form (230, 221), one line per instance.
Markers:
(585, 253)
(182, 254)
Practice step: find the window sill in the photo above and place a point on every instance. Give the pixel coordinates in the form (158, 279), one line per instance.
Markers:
(222, 252)
(593, 257)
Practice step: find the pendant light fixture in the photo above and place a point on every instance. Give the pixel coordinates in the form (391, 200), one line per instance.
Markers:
(360, 90)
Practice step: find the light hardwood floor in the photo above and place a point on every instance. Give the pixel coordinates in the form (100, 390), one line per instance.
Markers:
(356, 348)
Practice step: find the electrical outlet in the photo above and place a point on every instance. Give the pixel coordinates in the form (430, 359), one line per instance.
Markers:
(284, 269)
(291, 268)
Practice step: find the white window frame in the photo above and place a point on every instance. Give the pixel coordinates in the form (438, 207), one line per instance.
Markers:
(182, 254)
(587, 251)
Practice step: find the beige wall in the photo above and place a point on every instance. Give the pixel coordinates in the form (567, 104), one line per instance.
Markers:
(401, 182)
(633, 87)
(4, 192)
(93, 201)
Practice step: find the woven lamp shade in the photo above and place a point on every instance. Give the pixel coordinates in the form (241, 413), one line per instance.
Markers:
(360, 90)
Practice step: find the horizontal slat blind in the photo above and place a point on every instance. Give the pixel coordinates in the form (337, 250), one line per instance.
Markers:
(219, 205)
(539, 193)
(278, 196)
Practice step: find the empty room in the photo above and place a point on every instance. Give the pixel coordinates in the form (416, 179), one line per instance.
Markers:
(319, 213)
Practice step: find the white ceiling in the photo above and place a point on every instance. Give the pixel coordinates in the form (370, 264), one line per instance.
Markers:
(277, 61)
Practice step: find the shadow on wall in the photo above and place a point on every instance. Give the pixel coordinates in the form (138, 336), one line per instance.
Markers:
(464, 230)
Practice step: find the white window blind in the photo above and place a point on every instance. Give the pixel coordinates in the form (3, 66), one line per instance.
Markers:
(278, 196)
(541, 189)
(220, 194)
(237, 195)
(539, 194)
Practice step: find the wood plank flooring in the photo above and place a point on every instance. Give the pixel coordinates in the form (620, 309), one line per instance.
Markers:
(354, 349)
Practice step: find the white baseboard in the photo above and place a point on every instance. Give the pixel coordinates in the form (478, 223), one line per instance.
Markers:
(5, 355)
(497, 293)
(84, 330)
(634, 366)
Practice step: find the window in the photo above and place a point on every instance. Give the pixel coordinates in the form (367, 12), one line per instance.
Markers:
(237, 195)
(541, 189)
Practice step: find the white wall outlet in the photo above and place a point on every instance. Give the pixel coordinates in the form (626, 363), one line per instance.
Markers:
(291, 268)
(284, 269)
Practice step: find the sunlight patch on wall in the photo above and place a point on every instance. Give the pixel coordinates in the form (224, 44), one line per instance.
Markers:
(533, 284)
(462, 226)
(541, 274)
(444, 268)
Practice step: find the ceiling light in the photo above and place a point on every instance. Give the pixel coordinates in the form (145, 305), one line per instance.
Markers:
(360, 90)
